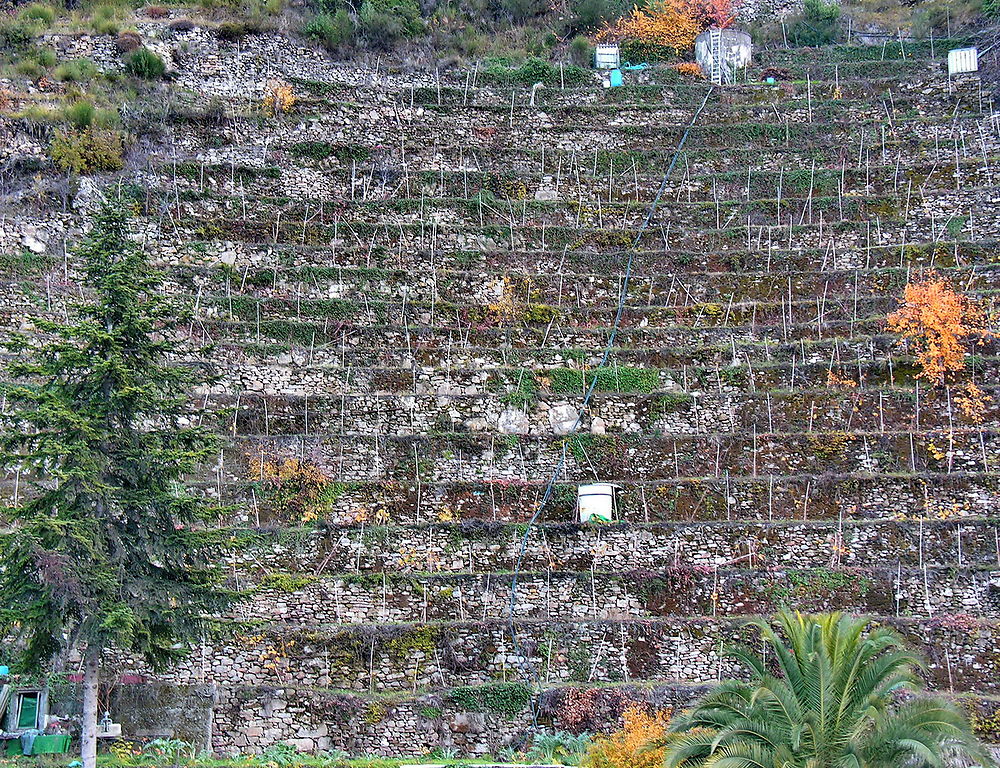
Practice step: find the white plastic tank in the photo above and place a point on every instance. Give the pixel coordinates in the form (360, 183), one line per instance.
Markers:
(596, 502)
(961, 60)
(721, 53)
(607, 56)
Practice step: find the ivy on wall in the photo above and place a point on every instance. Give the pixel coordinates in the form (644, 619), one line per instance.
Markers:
(505, 699)
(616, 378)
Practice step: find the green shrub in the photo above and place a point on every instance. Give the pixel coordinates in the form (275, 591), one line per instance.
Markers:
(559, 747)
(581, 52)
(266, 7)
(231, 31)
(104, 20)
(314, 150)
(384, 22)
(522, 385)
(469, 41)
(942, 16)
(39, 115)
(286, 582)
(408, 12)
(591, 14)
(87, 151)
(334, 31)
(522, 10)
(530, 71)
(40, 13)
(46, 57)
(816, 25)
(80, 114)
(15, 37)
(613, 378)
(381, 30)
(34, 62)
(30, 68)
(281, 755)
(991, 9)
(167, 751)
(247, 10)
(326, 6)
(76, 71)
(107, 118)
(23, 263)
(637, 51)
(145, 64)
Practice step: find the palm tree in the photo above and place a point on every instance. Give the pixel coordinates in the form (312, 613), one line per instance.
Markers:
(823, 694)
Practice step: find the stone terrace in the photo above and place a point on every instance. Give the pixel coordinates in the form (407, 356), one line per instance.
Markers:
(408, 282)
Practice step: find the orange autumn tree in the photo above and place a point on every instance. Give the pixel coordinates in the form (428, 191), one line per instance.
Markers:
(972, 403)
(631, 747)
(719, 13)
(940, 323)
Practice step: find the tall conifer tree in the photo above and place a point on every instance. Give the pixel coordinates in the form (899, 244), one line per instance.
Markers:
(101, 552)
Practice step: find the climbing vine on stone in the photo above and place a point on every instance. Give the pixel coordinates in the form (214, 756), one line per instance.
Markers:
(289, 486)
(505, 699)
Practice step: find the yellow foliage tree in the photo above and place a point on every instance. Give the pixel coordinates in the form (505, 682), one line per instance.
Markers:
(940, 323)
(87, 151)
(279, 98)
(632, 746)
(670, 23)
(972, 403)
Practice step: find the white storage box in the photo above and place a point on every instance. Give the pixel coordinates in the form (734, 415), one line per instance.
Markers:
(596, 502)
(961, 60)
(607, 57)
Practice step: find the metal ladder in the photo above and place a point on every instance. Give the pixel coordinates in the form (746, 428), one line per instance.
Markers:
(5, 691)
(715, 50)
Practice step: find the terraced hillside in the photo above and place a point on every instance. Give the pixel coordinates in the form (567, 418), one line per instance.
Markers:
(408, 284)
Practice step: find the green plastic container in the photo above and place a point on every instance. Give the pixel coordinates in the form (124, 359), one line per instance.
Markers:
(12, 748)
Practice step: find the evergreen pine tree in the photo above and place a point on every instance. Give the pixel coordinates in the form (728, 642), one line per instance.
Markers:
(101, 551)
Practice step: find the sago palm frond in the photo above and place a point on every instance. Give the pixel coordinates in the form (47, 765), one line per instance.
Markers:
(822, 693)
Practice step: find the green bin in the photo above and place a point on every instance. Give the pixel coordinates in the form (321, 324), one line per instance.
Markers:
(12, 748)
(51, 744)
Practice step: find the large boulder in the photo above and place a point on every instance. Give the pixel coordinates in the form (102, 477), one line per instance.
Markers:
(513, 422)
(562, 419)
